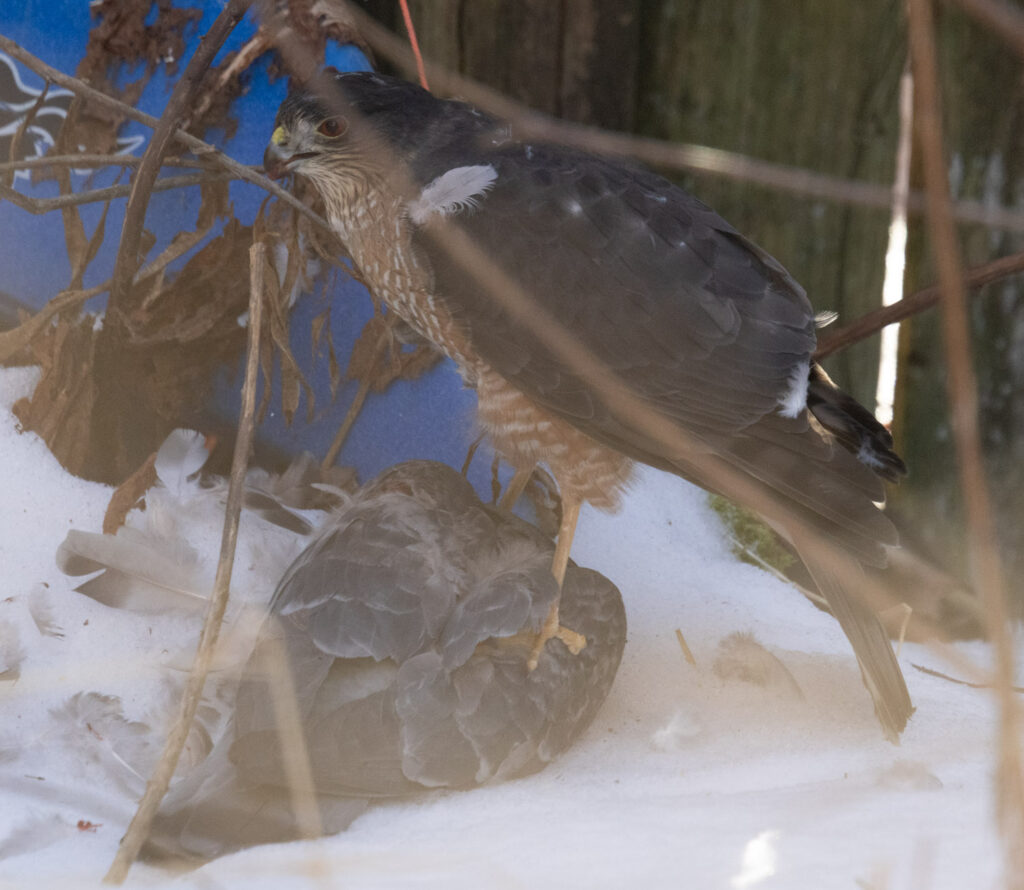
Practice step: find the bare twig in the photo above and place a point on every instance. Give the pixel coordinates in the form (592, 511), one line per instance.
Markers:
(139, 828)
(687, 653)
(39, 206)
(75, 161)
(530, 124)
(933, 673)
(874, 321)
(962, 387)
(252, 50)
(181, 245)
(1003, 19)
(192, 143)
(346, 424)
(365, 384)
(182, 96)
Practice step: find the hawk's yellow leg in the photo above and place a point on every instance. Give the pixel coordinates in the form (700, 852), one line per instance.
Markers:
(574, 641)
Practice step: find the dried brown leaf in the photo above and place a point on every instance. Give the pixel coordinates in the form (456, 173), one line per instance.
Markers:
(60, 408)
(96, 238)
(215, 204)
(365, 360)
(379, 359)
(74, 231)
(317, 326)
(19, 134)
(334, 369)
(128, 494)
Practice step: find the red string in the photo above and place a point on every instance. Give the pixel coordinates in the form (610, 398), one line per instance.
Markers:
(414, 43)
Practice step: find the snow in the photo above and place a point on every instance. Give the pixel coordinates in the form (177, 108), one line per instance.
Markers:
(685, 779)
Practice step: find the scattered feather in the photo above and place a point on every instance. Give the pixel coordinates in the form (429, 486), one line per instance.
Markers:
(677, 733)
(909, 775)
(35, 833)
(182, 455)
(458, 189)
(11, 653)
(41, 610)
(96, 727)
(138, 571)
(741, 657)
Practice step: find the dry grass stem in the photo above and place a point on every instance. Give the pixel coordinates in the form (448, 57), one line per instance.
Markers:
(294, 753)
(962, 388)
(687, 654)
(157, 786)
(38, 206)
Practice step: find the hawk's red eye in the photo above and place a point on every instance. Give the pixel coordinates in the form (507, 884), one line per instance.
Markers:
(332, 127)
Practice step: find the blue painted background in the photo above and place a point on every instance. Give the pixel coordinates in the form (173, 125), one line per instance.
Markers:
(431, 417)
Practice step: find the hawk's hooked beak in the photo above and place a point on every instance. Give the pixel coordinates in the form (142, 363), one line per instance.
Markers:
(277, 155)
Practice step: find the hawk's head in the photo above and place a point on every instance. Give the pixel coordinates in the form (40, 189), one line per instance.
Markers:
(362, 121)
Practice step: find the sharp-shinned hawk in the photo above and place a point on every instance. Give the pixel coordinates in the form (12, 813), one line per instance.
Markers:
(707, 330)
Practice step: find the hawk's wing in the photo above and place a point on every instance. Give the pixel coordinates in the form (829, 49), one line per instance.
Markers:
(710, 330)
(705, 327)
(703, 323)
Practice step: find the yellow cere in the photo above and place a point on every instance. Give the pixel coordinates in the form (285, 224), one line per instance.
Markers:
(279, 136)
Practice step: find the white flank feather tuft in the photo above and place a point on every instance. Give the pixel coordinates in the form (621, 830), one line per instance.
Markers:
(794, 400)
(458, 189)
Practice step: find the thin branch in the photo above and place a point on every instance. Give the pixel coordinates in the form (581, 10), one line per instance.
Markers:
(192, 143)
(182, 96)
(96, 160)
(182, 243)
(933, 673)
(872, 322)
(962, 387)
(346, 425)
(39, 206)
(252, 50)
(157, 786)
(530, 124)
(360, 397)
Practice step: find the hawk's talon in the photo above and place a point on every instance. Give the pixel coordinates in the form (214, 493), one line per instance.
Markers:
(574, 642)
